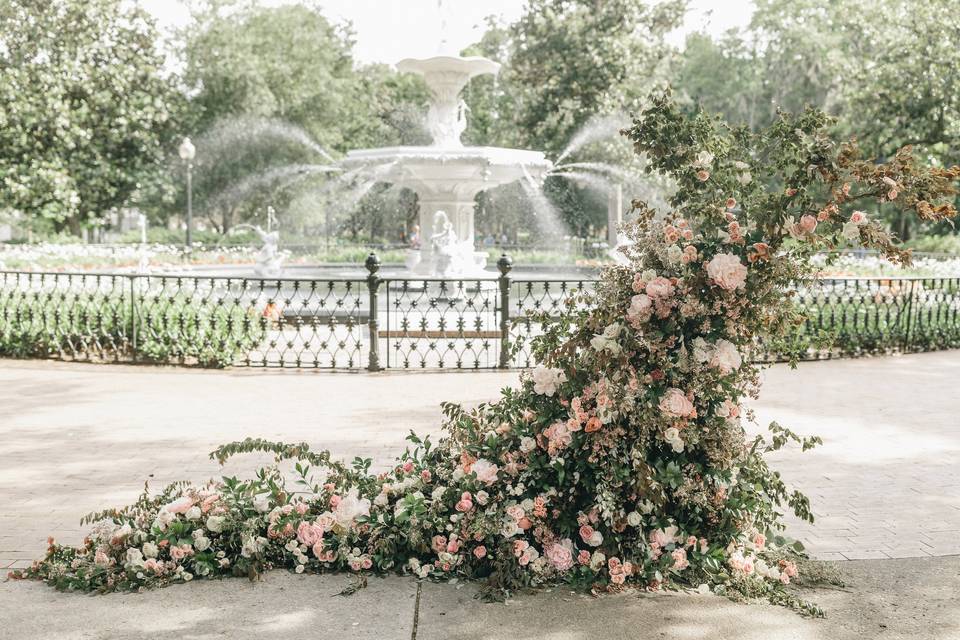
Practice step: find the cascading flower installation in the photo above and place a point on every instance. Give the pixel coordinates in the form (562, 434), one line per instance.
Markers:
(622, 460)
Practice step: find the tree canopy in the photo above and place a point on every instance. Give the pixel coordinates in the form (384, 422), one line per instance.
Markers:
(86, 109)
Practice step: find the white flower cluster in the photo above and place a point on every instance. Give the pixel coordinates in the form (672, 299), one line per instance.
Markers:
(546, 380)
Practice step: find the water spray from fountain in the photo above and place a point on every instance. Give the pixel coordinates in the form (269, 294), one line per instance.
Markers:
(595, 129)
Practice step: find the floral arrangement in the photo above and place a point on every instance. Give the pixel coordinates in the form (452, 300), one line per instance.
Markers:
(621, 460)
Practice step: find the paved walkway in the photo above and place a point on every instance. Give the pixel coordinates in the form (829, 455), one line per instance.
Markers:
(916, 599)
(78, 438)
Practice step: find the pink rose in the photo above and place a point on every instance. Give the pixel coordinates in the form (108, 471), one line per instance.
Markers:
(101, 559)
(466, 502)
(560, 556)
(425, 475)
(703, 175)
(659, 538)
(480, 552)
(586, 532)
(674, 403)
(334, 501)
(680, 561)
(808, 223)
(727, 272)
(208, 502)
(407, 466)
(583, 557)
(308, 533)
(439, 543)
(520, 547)
(858, 217)
(659, 287)
(318, 549)
(180, 505)
(641, 307)
(760, 541)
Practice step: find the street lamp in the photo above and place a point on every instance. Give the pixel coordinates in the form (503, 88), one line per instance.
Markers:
(187, 152)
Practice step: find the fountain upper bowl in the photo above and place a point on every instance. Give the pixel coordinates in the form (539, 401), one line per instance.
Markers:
(478, 167)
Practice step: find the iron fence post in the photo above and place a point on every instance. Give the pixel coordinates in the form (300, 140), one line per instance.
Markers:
(133, 318)
(910, 320)
(504, 264)
(372, 263)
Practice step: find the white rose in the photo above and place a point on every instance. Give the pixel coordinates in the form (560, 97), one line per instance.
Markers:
(482, 497)
(351, 507)
(634, 519)
(726, 356)
(851, 231)
(261, 502)
(381, 500)
(596, 539)
(546, 380)
(597, 560)
(193, 513)
(201, 543)
(215, 523)
(527, 444)
(701, 350)
(150, 550)
(704, 158)
(134, 557)
(672, 436)
(674, 253)
(727, 272)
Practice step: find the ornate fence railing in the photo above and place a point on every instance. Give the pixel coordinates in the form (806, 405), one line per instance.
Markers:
(378, 322)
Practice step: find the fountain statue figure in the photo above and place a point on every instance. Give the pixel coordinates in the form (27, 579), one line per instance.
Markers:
(447, 122)
(450, 255)
(270, 258)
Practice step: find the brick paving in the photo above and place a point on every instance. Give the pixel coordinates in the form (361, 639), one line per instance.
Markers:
(78, 438)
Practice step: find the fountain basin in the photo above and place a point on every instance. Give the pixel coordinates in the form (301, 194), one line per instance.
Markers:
(448, 179)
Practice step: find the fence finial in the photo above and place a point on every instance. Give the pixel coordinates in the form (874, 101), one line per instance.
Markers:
(505, 264)
(372, 263)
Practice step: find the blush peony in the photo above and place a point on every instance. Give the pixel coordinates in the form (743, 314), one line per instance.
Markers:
(675, 404)
(486, 471)
(727, 272)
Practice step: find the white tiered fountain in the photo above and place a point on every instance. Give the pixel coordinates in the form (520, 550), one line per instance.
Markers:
(447, 175)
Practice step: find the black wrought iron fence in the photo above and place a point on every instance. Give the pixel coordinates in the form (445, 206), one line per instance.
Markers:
(374, 322)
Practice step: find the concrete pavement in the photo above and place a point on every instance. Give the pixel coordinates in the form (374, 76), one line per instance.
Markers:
(77, 438)
(915, 599)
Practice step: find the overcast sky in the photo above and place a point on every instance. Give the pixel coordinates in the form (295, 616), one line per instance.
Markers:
(390, 30)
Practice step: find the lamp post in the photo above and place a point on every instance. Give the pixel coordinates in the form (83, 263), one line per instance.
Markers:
(187, 152)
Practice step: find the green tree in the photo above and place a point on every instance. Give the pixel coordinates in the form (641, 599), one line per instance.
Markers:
(887, 69)
(567, 63)
(86, 110)
(277, 92)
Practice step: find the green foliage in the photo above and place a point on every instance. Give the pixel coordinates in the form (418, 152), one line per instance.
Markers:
(177, 329)
(86, 109)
